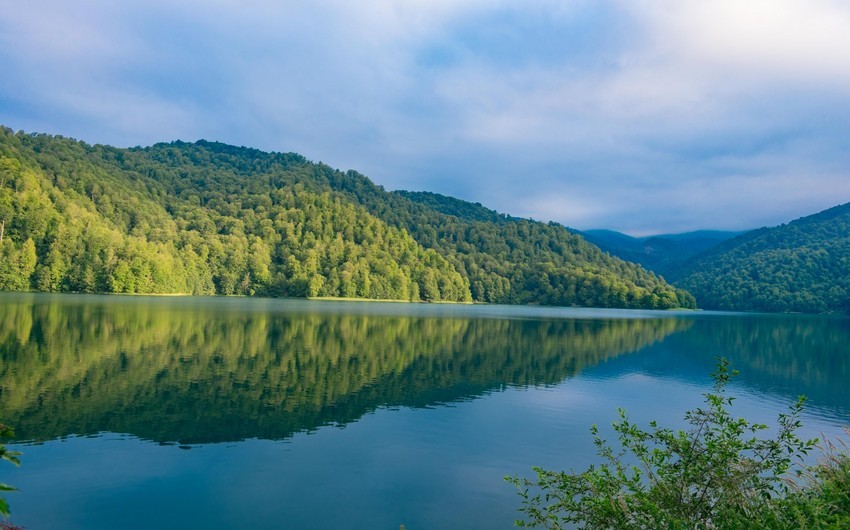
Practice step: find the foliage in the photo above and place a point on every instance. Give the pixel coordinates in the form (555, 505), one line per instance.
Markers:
(208, 218)
(803, 266)
(822, 500)
(511, 260)
(717, 474)
(9, 456)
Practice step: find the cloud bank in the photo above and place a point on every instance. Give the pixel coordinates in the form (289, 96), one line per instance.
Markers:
(641, 116)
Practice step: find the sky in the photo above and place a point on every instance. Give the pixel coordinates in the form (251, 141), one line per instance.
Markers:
(646, 117)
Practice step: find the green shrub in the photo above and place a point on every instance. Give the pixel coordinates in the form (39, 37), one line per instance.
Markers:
(718, 473)
(821, 496)
(9, 456)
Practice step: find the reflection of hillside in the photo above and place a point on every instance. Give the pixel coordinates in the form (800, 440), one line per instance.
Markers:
(805, 353)
(201, 374)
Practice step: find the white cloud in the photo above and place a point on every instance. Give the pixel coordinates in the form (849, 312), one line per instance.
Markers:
(691, 61)
(611, 105)
(763, 40)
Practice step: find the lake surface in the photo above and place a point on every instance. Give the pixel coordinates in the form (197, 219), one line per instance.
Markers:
(138, 412)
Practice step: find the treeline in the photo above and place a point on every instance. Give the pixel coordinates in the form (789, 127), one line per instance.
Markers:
(803, 266)
(207, 218)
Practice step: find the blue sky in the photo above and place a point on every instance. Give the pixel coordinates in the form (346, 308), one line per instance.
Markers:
(635, 115)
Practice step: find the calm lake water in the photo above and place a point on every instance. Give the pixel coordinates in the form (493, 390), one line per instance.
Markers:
(139, 413)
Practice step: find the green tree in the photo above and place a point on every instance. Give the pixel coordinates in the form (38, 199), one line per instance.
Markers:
(17, 265)
(27, 260)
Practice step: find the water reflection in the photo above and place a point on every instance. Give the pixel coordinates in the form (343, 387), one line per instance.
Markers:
(212, 371)
(795, 355)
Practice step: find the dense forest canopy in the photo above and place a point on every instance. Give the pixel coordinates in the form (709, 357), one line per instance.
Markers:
(209, 218)
(802, 266)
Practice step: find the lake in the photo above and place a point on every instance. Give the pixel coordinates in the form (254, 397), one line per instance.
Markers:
(159, 412)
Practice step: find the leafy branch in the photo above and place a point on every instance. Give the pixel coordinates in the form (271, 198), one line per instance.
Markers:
(10, 456)
(721, 472)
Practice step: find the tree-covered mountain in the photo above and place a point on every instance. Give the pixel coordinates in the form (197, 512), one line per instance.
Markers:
(662, 253)
(802, 266)
(542, 262)
(209, 218)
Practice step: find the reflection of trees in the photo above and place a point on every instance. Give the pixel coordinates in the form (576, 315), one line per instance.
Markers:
(200, 374)
(798, 354)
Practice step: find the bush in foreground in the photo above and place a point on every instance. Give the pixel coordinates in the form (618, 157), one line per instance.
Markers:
(719, 473)
(9, 456)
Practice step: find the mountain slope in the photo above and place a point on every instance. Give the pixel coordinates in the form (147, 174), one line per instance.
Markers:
(210, 218)
(99, 219)
(512, 260)
(464, 210)
(802, 266)
(661, 253)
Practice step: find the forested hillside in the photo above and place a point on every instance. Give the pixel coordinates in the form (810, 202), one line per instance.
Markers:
(511, 260)
(661, 254)
(208, 218)
(803, 266)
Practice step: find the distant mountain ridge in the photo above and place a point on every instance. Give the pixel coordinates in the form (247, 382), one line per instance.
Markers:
(802, 266)
(662, 253)
(211, 218)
